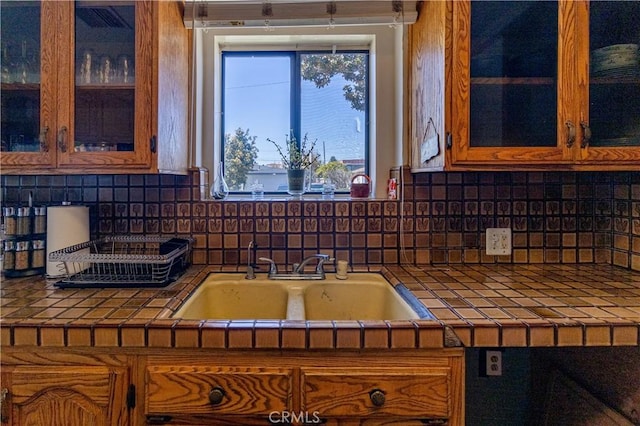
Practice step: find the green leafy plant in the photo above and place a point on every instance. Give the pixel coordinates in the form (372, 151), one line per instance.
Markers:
(297, 156)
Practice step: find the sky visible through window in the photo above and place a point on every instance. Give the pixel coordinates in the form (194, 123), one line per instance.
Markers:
(258, 98)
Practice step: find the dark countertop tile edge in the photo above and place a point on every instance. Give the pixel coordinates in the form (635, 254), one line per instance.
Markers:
(163, 331)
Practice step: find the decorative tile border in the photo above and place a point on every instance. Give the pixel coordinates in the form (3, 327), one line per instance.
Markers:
(474, 305)
(556, 217)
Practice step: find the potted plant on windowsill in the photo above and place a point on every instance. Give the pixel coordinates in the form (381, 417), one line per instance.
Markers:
(297, 159)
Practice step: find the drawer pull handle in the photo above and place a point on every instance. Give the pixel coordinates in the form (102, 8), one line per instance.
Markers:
(216, 395)
(377, 397)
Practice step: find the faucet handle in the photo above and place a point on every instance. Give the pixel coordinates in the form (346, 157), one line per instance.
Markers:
(273, 268)
(298, 268)
(322, 259)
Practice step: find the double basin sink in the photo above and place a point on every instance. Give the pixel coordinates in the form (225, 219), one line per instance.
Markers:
(362, 296)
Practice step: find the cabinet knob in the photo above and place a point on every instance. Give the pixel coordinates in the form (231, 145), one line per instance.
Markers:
(216, 395)
(377, 397)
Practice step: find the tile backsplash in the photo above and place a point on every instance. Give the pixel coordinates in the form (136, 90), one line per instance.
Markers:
(556, 217)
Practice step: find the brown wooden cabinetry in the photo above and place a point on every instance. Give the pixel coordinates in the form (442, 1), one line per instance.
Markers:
(378, 393)
(524, 85)
(106, 91)
(49, 391)
(155, 386)
(201, 390)
(306, 388)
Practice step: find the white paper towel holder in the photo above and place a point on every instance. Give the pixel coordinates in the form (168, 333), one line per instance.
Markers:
(65, 230)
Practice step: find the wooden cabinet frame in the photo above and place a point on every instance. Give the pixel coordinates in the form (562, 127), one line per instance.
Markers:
(161, 109)
(134, 386)
(439, 89)
(419, 385)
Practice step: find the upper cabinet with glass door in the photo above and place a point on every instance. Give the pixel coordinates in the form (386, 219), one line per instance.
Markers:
(609, 111)
(104, 82)
(118, 73)
(526, 85)
(27, 93)
(514, 57)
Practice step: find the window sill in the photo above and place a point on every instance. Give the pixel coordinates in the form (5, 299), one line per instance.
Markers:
(305, 197)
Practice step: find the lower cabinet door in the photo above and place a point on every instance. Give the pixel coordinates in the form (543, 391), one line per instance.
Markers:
(67, 396)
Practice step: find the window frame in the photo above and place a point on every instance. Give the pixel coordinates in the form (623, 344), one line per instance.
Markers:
(389, 146)
(295, 102)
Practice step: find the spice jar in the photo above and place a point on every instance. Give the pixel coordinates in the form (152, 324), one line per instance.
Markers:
(9, 214)
(22, 255)
(37, 254)
(23, 221)
(9, 260)
(40, 220)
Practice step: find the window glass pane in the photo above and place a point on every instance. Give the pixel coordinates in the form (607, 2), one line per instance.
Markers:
(333, 113)
(257, 107)
(321, 98)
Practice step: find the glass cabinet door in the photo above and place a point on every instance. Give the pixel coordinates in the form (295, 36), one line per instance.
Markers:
(614, 75)
(514, 59)
(105, 75)
(25, 123)
(506, 81)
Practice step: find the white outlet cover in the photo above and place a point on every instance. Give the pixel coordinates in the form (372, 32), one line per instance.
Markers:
(498, 241)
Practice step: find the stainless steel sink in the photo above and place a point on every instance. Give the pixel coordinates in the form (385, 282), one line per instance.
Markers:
(363, 296)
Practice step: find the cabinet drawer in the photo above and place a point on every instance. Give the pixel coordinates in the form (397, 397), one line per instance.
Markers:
(217, 390)
(377, 392)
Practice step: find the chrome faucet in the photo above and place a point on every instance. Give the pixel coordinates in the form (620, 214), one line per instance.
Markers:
(322, 258)
(251, 273)
(298, 269)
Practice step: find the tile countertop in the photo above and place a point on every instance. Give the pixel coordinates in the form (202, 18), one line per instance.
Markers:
(474, 305)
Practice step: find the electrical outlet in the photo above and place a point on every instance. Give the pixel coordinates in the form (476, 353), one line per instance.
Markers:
(494, 363)
(499, 241)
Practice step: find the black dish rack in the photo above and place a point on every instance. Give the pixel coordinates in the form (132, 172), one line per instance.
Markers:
(123, 261)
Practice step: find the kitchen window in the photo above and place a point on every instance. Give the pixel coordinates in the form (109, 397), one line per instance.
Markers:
(381, 124)
(318, 97)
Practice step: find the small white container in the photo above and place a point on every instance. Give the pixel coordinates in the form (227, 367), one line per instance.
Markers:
(342, 269)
